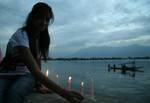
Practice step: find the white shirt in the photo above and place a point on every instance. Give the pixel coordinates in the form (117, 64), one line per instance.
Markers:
(19, 38)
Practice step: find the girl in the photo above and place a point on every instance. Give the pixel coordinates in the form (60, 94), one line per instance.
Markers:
(23, 55)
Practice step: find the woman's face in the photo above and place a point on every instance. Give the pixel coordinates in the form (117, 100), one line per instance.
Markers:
(42, 22)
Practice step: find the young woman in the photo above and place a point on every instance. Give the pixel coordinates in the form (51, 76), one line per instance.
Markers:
(23, 55)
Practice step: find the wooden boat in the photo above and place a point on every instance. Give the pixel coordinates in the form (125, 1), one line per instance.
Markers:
(125, 67)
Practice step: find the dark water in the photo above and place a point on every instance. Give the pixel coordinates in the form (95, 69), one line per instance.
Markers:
(109, 87)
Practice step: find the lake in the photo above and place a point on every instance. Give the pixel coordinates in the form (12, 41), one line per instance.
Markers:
(100, 85)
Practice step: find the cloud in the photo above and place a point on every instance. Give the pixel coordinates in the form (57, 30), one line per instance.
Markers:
(86, 23)
(141, 40)
(110, 20)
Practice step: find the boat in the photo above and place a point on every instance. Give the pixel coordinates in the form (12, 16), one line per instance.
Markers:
(126, 67)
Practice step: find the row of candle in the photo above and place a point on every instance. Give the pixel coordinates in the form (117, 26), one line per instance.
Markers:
(69, 83)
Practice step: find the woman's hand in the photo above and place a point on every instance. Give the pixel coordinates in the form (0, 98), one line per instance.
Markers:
(72, 96)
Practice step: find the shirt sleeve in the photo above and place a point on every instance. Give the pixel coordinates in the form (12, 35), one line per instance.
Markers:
(19, 39)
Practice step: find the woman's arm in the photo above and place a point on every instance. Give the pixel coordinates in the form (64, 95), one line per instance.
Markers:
(27, 58)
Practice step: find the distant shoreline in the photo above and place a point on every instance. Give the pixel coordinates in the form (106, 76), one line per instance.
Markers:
(97, 58)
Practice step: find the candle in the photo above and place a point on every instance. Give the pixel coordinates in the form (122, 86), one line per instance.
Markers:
(57, 80)
(69, 82)
(46, 73)
(81, 88)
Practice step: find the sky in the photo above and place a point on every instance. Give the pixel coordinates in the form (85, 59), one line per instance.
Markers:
(83, 24)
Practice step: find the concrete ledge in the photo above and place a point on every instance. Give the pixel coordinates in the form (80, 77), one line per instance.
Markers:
(49, 98)
(44, 98)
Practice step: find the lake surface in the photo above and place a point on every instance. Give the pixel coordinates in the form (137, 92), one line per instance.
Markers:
(108, 87)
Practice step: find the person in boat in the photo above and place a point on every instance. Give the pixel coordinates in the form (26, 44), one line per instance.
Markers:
(114, 67)
(123, 71)
(24, 51)
(109, 67)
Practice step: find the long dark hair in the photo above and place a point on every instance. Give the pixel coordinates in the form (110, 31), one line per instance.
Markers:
(38, 10)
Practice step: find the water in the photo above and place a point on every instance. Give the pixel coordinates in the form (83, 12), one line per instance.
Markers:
(109, 87)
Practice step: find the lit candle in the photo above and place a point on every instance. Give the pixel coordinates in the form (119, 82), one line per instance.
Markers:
(57, 80)
(69, 82)
(81, 88)
(46, 73)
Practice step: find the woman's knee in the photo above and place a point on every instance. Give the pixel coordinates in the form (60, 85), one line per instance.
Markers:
(20, 89)
(4, 83)
(14, 96)
(17, 95)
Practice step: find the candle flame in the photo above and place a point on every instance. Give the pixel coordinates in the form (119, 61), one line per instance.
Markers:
(47, 73)
(69, 82)
(70, 77)
(82, 83)
(57, 76)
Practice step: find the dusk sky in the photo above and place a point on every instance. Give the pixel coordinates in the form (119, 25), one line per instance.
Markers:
(82, 24)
